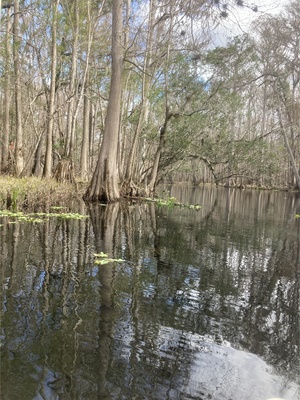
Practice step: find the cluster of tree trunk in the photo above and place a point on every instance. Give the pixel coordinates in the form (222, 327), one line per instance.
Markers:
(125, 95)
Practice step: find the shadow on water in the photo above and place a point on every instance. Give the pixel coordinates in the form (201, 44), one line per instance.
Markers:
(205, 305)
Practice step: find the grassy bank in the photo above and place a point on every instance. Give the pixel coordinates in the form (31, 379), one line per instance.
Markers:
(37, 194)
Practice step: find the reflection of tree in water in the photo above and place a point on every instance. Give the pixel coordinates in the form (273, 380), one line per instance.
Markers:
(40, 308)
(191, 281)
(104, 225)
(216, 297)
(272, 315)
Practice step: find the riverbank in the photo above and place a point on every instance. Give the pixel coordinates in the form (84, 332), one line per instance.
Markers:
(37, 194)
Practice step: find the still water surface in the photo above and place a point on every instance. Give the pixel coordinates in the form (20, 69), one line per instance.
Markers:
(204, 306)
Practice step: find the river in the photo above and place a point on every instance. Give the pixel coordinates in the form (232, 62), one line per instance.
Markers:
(204, 305)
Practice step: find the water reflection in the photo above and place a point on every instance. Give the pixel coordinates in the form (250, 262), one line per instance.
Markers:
(206, 305)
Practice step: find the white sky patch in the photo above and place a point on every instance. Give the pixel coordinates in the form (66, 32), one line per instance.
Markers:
(240, 18)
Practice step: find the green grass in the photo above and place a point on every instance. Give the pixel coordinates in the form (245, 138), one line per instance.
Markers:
(35, 194)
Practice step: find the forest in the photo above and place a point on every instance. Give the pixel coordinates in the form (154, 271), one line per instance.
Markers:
(124, 94)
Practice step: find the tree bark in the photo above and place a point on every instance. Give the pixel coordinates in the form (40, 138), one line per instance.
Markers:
(19, 156)
(150, 187)
(72, 87)
(283, 100)
(7, 95)
(85, 134)
(50, 123)
(37, 166)
(129, 187)
(87, 122)
(289, 151)
(104, 186)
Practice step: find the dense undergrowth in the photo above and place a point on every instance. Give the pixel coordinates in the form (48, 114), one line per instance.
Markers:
(34, 194)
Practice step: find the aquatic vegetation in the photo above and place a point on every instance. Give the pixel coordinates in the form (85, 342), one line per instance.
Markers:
(67, 215)
(102, 259)
(14, 198)
(194, 206)
(297, 215)
(34, 194)
(39, 216)
(172, 201)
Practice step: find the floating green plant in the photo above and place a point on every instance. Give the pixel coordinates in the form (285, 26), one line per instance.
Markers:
(67, 215)
(171, 202)
(40, 216)
(28, 218)
(194, 207)
(297, 215)
(102, 259)
(7, 213)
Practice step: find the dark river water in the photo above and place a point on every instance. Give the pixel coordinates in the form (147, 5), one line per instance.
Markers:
(205, 304)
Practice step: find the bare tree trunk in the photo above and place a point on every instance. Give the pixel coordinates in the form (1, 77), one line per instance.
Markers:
(128, 184)
(87, 121)
(19, 156)
(283, 100)
(72, 87)
(50, 123)
(150, 186)
(7, 96)
(104, 186)
(289, 151)
(37, 166)
(85, 134)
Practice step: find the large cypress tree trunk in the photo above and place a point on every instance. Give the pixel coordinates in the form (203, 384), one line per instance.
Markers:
(104, 186)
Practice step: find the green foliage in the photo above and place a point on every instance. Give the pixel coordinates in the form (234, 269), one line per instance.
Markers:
(14, 198)
(169, 202)
(297, 215)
